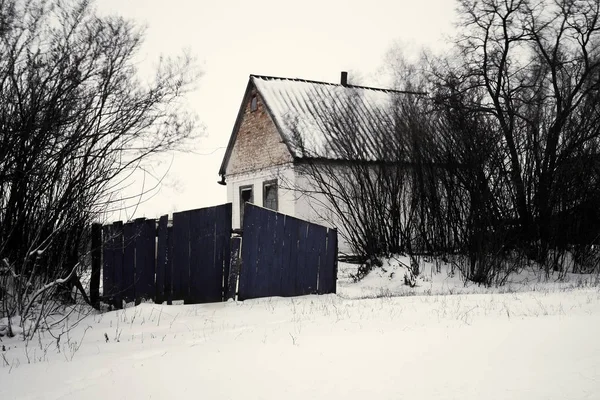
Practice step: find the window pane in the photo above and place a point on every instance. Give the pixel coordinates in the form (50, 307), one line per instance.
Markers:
(246, 196)
(270, 196)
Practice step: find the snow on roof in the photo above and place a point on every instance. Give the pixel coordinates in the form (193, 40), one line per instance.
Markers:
(333, 121)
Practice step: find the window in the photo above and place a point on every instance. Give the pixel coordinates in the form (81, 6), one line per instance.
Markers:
(254, 103)
(246, 196)
(270, 195)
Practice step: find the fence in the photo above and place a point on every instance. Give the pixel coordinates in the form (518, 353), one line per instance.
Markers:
(285, 256)
(193, 257)
(188, 260)
(200, 259)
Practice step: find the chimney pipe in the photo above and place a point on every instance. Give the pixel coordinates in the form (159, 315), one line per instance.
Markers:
(344, 78)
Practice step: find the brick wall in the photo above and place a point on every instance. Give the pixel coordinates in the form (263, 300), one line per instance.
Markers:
(258, 144)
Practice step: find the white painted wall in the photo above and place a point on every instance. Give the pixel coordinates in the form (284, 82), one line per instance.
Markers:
(285, 196)
(315, 207)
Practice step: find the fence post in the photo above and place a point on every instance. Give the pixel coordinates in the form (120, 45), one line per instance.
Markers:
(117, 254)
(234, 267)
(161, 259)
(96, 265)
(169, 267)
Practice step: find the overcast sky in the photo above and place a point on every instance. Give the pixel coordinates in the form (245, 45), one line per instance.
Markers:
(313, 39)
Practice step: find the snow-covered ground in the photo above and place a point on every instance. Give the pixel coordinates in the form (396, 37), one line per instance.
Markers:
(360, 344)
(441, 278)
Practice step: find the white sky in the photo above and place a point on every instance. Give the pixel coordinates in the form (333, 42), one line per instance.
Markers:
(313, 39)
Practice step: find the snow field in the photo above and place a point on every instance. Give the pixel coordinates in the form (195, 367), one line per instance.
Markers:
(533, 345)
(530, 339)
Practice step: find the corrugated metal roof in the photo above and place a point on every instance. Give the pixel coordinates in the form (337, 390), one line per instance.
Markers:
(332, 121)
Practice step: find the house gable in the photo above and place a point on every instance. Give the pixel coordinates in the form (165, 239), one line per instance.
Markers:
(255, 142)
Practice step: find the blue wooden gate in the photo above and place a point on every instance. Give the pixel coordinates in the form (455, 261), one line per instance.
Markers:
(128, 260)
(285, 256)
(201, 254)
(187, 259)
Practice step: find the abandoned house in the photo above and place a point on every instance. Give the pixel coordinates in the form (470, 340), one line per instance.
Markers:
(284, 123)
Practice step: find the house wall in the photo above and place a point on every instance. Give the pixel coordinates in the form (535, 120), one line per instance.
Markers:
(292, 197)
(285, 196)
(258, 155)
(315, 207)
(258, 144)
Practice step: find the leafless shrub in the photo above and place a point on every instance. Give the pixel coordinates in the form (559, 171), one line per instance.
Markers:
(520, 105)
(75, 122)
(499, 163)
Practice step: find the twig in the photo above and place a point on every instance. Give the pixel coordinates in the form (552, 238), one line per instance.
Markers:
(44, 288)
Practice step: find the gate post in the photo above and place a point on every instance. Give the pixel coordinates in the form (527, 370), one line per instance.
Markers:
(96, 251)
(234, 267)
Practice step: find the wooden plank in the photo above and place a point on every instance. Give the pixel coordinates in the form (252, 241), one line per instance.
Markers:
(328, 268)
(259, 224)
(145, 250)
(181, 255)
(223, 245)
(275, 273)
(264, 253)
(118, 264)
(107, 262)
(178, 220)
(96, 253)
(139, 247)
(316, 240)
(138, 257)
(217, 232)
(169, 269)
(251, 231)
(301, 257)
(184, 268)
(206, 266)
(335, 247)
(211, 273)
(197, 255)
(244, 259)
(161, 259)
(289, 259)
(269, 286)
(128, 289)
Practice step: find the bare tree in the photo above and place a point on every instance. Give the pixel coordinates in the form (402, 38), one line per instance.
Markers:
(496, 166)
(361, 174)
(531, 69)
(75, 122)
